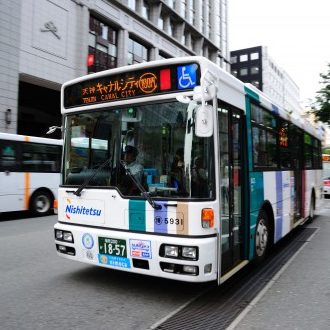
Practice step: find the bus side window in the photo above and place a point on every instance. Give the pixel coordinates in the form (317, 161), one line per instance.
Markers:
(8, 156)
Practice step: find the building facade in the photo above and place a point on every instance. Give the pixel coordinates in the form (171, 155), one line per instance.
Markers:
(254, 65)
(47, 42)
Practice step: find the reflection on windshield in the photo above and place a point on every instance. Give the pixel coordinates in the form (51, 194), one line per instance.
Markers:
(156, 142)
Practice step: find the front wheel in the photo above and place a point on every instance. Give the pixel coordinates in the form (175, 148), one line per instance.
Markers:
(41, 203)
(262, 237)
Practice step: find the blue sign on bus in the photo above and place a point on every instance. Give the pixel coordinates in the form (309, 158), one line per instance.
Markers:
(186, 76)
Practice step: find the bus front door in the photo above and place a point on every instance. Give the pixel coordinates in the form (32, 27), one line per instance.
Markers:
(231, 187)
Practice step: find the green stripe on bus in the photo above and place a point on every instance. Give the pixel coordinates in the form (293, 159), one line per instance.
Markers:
(137, 215)
(251, 93)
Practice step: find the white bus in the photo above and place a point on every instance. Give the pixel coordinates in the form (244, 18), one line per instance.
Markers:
(223, 178)
(29, 173)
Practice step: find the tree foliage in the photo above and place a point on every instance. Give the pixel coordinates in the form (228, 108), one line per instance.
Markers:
(321, 105)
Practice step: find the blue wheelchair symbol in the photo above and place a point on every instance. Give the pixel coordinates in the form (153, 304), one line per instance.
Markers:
(186, 76)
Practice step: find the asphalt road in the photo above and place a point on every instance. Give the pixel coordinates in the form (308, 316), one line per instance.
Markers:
(40, 290)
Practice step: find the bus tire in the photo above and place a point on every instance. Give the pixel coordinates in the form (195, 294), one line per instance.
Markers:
(41, 203)
(262, 237)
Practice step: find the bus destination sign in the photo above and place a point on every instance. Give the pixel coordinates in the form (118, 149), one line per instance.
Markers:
(151, 81)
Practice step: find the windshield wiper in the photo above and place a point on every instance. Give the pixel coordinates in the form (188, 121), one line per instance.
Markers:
(140, 187)
(88, 179)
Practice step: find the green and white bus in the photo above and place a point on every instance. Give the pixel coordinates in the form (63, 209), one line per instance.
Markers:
(226, 173)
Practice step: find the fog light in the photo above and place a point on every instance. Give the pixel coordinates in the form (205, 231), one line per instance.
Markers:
(67, 236)
(171, 251)
(190, 269)
(62, 248)
(169, 268)
(59, 234)
(189, 252)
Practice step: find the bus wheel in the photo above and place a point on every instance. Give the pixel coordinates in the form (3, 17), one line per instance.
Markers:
(262, 237)
(41, 202)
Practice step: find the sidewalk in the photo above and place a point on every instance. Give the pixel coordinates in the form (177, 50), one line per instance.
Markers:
(299, 296)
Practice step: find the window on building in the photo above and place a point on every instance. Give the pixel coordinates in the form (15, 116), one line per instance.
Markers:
(243, 58)
(132, 4)
(255, 83)
(171, 28)
(171, 3)
(183, 9)
(254, 70)
(234, 73)
(243, 72)
(161, 22)
(233, 59)
(137, 53)
(102, 50)
(145, 10)
(254, 56)
(191, 11)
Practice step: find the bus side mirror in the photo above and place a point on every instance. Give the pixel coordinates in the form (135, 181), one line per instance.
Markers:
(204, 120)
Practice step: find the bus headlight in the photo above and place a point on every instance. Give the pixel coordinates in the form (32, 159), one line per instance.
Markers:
(67, 236)
(189, 252)
(179, 252)
(63, 235)
(58, 234)
(171, 251)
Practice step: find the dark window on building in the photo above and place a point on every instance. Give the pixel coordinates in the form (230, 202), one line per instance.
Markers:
(137, 53)
(102, 50)
(145, 10)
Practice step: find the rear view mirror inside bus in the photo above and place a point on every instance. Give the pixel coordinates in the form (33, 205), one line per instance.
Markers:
(204, 121)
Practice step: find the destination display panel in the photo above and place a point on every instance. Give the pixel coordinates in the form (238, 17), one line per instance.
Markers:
(126, 85)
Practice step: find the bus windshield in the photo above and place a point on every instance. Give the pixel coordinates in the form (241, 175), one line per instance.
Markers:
(155, 142)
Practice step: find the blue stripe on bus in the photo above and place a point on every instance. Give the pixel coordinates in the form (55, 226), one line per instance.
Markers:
(279, 206)
(160, 225)
(137, 215)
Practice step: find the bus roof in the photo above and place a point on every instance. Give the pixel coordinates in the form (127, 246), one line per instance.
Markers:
(232, 90)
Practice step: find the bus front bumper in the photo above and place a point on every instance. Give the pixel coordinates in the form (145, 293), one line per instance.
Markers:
(184, 259)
